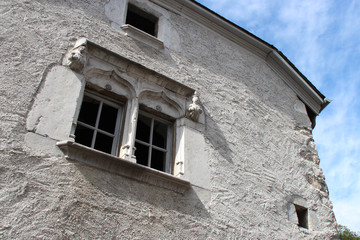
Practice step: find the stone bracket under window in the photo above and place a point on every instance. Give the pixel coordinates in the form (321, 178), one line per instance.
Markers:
(77, 152)
(142, 36)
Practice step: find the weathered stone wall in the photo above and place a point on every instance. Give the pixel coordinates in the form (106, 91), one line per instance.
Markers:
(258, 138)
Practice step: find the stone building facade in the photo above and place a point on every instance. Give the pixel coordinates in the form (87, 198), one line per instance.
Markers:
(153, 119)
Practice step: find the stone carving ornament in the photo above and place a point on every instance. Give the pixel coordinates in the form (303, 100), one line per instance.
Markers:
(77, 58)
(194, 110)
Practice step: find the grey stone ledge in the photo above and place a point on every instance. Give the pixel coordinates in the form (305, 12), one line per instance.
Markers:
(77, 152)
(142, 36)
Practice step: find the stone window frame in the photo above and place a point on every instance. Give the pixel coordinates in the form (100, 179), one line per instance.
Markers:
(301, 215)
(119, 78)
(116, 135)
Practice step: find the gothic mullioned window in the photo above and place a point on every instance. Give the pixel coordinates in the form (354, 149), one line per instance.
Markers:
(99, 127)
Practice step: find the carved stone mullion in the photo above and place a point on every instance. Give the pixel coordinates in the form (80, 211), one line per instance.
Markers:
(128, 149)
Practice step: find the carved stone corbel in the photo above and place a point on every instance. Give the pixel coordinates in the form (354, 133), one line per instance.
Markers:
(76, 59)
(194, 110)
(125, 152)
(179, 169)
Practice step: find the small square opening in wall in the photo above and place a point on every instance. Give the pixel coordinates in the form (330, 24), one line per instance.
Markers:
(142, 20)
(303, 216)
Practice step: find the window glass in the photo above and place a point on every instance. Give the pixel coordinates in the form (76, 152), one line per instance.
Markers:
(142, 154)
(159, 134)
(103, 143)
(108, 118)
(89, 110)
(158, 159)
(143, 129)
(84, 135)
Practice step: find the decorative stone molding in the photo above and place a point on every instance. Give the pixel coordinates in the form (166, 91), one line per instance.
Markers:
(76, 59)
(179, 169)
(161, 102)
(194, 110)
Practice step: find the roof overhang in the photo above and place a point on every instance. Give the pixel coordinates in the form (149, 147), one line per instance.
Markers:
(304, 89)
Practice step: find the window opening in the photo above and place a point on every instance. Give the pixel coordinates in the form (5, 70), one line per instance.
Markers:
(302, 214)
(153, 142)
(98, 124)
(141, 20)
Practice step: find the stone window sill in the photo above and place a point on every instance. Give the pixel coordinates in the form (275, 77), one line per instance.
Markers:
(142, 36)
(110, 163)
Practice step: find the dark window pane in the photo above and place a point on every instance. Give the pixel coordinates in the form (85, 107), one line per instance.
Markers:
(158, 160)
(83, 135)
(108, 118)
(143, 129)
(159, 134)
(142, 154)
(103, 143)
(88, 111)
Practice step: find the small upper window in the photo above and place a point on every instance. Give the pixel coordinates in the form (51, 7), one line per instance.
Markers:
(142, 20)
(98, 124)
(153, 142)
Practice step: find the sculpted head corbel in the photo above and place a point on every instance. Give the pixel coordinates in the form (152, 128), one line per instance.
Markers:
(76, 59)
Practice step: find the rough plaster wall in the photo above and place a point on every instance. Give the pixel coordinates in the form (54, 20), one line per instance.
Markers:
(257, 136)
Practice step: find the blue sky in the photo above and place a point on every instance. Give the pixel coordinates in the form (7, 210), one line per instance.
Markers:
(322, 39)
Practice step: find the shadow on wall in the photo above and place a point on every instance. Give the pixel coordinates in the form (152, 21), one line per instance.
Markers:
(217, 139)
(125, 193)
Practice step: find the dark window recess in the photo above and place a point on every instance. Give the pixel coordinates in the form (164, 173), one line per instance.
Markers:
(151, 143)
(84, 135)
(141, 20)
(303, 216)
